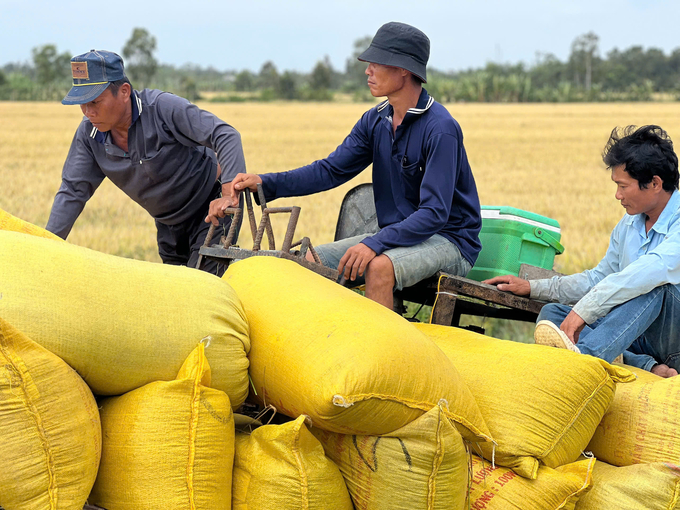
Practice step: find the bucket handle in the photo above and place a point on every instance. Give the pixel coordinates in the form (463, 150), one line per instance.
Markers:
(542, 234)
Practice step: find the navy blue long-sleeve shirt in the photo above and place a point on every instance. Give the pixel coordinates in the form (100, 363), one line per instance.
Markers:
(422, 181)
(169, 168)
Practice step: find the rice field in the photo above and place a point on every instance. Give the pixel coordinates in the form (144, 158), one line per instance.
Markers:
(543, 158)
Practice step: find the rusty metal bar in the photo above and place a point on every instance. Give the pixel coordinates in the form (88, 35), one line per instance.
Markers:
(315, 255)
(260, 196)
(251, 213)
(237, 214)
(260, 230)
(304, 246)
(226, 251)
(278, 210)
(290, 231)
(208, 238)
(270, 234)
(268, 225)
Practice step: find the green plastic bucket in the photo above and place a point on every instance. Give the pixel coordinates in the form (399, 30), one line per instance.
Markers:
(511, 237)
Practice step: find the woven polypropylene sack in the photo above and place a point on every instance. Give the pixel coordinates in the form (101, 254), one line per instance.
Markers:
(169, 445)
(540, 403)
(352, 365)
(643, 423)
(499, 488)
(50, 435)
(423, 465)
(654, 486)
(641, 375)
(283, 467)
(14, 224)
(122, 323)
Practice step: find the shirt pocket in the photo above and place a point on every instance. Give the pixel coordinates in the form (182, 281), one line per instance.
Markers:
(412, 177)
(158, 167)
(411, 169)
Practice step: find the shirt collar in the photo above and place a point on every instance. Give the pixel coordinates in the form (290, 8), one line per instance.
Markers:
(136, 102)
(425, 101)
(136, 106)
(98, 135)
(663, 223)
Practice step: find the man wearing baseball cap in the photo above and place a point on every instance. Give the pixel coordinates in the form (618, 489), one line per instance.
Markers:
(168, 155)
(425, 195)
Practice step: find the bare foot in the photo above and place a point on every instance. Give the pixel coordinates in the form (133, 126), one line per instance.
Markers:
(664, 370)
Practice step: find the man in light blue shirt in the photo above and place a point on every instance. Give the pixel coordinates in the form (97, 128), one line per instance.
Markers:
(630, 302)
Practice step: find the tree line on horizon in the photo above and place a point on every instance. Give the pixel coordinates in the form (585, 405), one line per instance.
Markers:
(633, 74)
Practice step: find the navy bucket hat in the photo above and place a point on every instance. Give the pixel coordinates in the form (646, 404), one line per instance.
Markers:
(399, 45)
(92, 72)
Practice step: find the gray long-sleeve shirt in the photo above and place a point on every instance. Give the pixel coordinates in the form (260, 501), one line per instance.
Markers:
(169, 168)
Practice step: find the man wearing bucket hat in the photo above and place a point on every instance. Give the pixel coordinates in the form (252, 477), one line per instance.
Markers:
(425, 195)
(160, 149)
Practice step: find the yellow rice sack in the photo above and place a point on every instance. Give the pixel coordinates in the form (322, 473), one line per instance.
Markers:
(352, 365)
(640, 374)
(653, 486)
(246, 424)
(423, 465)
(643, 423)
(9, 222)
(168, 445)
(502, 489)
(50, 435)
(283, 467)
(540, 403)
(122, 323)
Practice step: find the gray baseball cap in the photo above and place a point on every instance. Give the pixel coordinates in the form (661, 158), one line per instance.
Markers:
(399, 45)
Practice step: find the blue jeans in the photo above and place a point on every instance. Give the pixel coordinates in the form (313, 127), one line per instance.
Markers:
(411, 264)
(645, 329)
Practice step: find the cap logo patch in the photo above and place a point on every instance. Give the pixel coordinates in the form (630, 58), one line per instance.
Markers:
(79, 71)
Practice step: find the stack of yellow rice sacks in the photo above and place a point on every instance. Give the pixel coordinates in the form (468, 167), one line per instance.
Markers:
(120, 380)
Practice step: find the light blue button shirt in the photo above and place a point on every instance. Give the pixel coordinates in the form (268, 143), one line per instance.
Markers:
(635, 263)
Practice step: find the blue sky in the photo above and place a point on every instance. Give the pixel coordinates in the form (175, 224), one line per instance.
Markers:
(296, 34)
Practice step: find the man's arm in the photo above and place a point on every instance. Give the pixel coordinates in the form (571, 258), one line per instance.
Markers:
(349, 159)
(568, 290)
(193, 126)
(658, 267)
(81, 176)
(572, 325)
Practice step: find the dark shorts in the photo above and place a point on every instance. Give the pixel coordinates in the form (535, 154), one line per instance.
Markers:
(179, 244)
